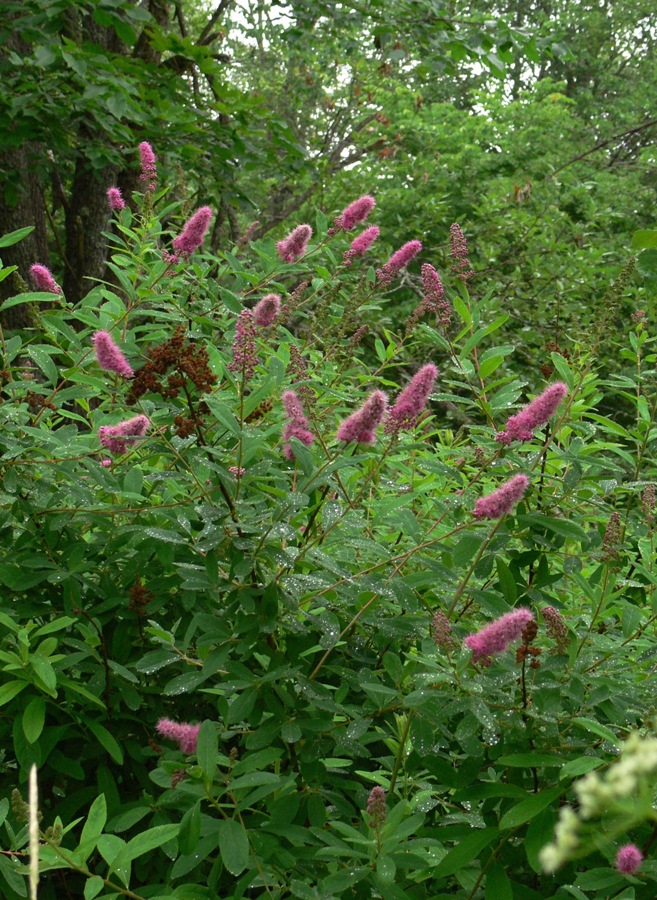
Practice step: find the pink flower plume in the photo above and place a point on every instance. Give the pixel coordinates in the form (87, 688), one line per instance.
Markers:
(359, 427)
(266, 311)
(522, 426)
(412, 400)
(502, 500)
(295, 244)
(297, 425)
(184, 734)
(43, 280)
(194, 231)
(356, 212)
(497, 636)
(117, 438)
(109, 355)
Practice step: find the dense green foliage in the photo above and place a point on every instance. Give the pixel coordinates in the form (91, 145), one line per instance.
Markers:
(297, 610)
(289, 607)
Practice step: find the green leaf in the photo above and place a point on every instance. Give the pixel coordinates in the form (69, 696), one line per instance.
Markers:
(190, 829)
(13, 237)
(10, 690)
(207, 750)
(34, 716)
(93, 827)
(595, 728)
(498, 883)
(646, 263)
(233, 846)
(106, 740)
(465, 851)
(530, 759)
(641, 240)
(527, 809)
(93, 886)
(581, 766)
(148, 840)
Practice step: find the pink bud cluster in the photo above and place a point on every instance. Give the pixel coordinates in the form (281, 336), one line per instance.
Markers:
(266, 311)
(412, 400)
(496, 637)
(43, 280)
(297, 425)
(360, 426)
(109, 355)
(184, 734)
(295, 244)
(117, 438)
(377, 808)
(502, 500)
(441, 631)
(522, 426)
(115, 200)
(193, 233)
(556, 628)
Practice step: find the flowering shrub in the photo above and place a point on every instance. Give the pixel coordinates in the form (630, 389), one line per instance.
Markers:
(292, 638)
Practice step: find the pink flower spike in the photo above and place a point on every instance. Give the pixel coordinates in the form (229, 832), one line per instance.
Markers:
(109, 355)
(193, 233)
(359, 426)
(184, 734)
(628, 859)
(497, 636)
(115, 199)
(297, 426)
(365, 239)
(295, 244)
(43, 280)
(266, 311)
(117, 438)
(245, 357)
(148, 175)
(412, 400)
(502, 500)
(356, 212)
(522, 426)
(404, 255)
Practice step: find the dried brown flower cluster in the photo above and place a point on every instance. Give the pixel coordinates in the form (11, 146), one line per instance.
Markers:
(188, 366)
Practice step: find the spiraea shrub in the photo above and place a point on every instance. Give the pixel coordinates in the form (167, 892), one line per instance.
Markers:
(296, 605)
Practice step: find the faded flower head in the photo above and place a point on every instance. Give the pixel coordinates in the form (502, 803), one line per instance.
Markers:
(522, 426)
(412, 400)
(612, 538)
(359, 427)
(245, 358)
(115, 199)
(266, 311)
(496, 637)
(377, 808)
(628, 859)
(109, 355)
(502, 500)
(297, 425)
(441, 631)
(193, 233)
(295, 244)
(459, 249)
(43, 280)
(556, 628)
(184, 734)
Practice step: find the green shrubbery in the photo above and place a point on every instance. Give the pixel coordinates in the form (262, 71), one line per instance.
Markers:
(309, 613)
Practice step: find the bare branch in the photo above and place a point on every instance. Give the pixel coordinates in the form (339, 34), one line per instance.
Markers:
(606, 143)
(216, 15)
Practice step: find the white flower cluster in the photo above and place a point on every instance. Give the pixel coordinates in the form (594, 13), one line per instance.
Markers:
(565, 839)
(596, 795)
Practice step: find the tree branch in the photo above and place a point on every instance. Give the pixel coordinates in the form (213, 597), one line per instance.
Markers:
(606, 143)
(216, 15)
